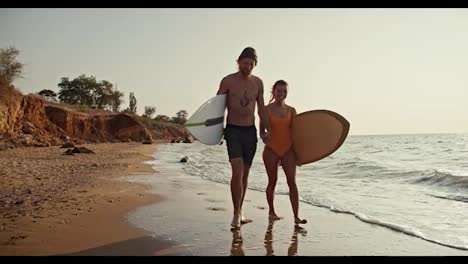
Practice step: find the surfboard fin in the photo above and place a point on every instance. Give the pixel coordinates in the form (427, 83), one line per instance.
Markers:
(214, 121)
(208, 122)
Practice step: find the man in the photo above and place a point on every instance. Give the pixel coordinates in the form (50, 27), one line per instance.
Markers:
(244, 91)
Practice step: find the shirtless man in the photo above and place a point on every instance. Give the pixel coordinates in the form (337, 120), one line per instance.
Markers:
(244, 91)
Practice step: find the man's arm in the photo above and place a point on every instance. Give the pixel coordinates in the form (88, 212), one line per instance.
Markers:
(262, 112)
(262, 129)
(222, 87)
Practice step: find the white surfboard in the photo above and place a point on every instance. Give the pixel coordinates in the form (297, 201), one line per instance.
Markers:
(207, 123)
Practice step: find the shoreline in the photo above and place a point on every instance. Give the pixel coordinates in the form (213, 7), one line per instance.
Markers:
(56, 204)
(197, 212)
(128, 206)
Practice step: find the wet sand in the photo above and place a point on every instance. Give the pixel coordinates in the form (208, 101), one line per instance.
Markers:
(196, 214)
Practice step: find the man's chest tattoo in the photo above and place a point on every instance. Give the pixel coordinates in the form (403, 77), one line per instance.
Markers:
(244, 101)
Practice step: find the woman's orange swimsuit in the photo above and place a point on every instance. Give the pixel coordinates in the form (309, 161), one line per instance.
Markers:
(280, 136)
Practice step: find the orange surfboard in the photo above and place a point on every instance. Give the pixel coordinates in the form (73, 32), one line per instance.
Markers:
(317, 134)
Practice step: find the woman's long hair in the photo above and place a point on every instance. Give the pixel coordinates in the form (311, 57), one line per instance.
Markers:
(279, 82)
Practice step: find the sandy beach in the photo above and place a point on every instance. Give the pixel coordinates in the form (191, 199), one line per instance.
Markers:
(116, 202)
(57, 204)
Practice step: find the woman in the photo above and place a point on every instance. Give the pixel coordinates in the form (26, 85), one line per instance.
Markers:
(278, 149)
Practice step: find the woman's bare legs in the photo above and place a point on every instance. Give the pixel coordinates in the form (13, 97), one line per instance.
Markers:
(270, 159)
(288, 162)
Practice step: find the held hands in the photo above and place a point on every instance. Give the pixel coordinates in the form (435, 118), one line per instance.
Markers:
(265, 137)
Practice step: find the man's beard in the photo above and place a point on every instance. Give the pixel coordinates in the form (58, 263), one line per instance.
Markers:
(246, 72)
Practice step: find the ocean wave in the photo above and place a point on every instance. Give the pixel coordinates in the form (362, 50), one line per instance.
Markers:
(363, 166)
(438, 178)
(458, 198)
(434, 177)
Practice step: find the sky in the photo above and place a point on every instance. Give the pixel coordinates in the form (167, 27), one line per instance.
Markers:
(387, 71)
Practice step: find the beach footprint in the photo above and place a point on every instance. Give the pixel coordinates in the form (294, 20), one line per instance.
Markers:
(176, 185)
(213, 200)
(216, 209)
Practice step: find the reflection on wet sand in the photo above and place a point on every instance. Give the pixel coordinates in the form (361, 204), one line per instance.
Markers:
(236, 246)
(268, 241)
(292, 250)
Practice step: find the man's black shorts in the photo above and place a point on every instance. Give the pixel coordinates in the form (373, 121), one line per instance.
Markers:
(241, 142)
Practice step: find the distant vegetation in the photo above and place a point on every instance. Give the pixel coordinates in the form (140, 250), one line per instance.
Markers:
(48, 95)
(149, 111)
(87, 91)
(82, 92)
(10, 67)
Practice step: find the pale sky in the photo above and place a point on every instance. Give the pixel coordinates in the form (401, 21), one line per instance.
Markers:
(387, 71)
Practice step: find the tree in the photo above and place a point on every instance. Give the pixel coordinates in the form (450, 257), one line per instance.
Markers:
(78, 91)
(149, 111)
(68, 94)
(181, 117)
(116, 100)
(102, 94)
(162, 118)
(10, 68)
(133, 104)
(48, 95)
(85, 90)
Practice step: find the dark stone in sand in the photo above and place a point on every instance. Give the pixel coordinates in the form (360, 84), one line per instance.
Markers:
(83, 150)
(184, 159)
(188, 140)
(147, 142)
(76, 150)
(68, 145)
(86, 151)
(68, 152)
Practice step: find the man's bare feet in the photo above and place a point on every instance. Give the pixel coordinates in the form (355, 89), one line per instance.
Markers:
(298, 221)
(236, 222)
(244, 220)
